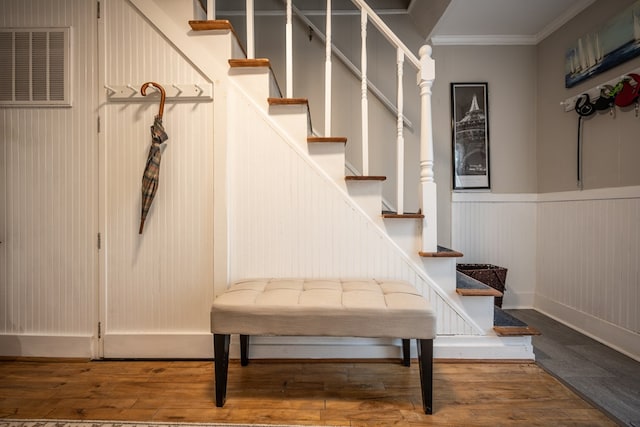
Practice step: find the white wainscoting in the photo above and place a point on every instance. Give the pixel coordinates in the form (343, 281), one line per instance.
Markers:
(499, 229)
(589, 263)
(49, 200)
(571, 255)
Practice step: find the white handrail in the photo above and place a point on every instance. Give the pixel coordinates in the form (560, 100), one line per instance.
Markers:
(386, 31)
(356, 72)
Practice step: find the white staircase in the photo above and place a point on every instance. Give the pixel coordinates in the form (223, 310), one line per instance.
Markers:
(293, 212)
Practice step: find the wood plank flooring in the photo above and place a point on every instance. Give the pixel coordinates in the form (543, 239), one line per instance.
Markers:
(378, 393)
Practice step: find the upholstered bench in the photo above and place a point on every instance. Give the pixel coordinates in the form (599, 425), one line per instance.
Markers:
(315, 307)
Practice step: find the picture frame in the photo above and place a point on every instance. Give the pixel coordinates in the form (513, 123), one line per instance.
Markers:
(613, 43)
(470, 135)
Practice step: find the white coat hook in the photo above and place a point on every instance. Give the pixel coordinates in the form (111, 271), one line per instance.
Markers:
(177, 88)
(133, 89)
(110, 89)
(200, 90)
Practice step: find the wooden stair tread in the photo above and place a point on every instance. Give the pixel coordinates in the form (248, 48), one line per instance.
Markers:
(218, 24)
(515, 331)
(327, 139)
(442, 252)
(288, 101)
(365, 178)
(255, 62)
(468, 286)
(506, 325)
(389, 214)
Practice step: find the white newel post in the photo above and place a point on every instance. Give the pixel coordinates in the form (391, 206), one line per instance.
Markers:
(428, 194)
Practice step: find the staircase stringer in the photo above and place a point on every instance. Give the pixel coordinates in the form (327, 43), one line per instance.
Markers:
(427, 286)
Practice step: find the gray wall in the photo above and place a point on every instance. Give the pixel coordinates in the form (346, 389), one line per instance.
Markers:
(510, 72)
(611, 146)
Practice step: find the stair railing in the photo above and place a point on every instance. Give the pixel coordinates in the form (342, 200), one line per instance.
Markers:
(425, 67)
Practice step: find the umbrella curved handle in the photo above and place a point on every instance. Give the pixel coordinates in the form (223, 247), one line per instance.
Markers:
(143, 91)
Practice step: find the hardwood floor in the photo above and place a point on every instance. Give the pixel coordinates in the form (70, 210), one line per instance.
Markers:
(380, 393)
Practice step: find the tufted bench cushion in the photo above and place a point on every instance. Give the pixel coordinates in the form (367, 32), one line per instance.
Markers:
(323, 307)
(314, 307)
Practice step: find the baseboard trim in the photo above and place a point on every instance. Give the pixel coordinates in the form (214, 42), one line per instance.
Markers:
(158, 346)
(622, 340)
(59, 346)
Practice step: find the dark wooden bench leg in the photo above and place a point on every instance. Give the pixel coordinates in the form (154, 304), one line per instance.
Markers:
(425, 360)
(406, 352)
(244, 350)
(221, 356)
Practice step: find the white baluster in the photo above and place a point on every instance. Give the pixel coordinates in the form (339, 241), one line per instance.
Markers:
(400, 131)
(211, 10)
(426, 76)
(251, 49)
(327, 74)
(289, 51)
(363, 89)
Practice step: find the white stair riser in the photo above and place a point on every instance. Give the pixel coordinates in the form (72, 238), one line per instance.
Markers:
(480, 308)
(405, 232)
(330, 157)
(254, 80)
(368, 195)
(293, 120)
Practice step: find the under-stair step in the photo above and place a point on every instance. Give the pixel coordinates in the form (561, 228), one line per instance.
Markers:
(390, 214)
(327, 139)
(505, 325)
(218, 24)
(468, 286)
(442, 252)
(288, 101)
(365, 178)
(246, 63)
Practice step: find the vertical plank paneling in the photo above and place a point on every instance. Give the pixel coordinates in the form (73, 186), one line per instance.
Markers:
(588, 258)
(501, 233)
(160, 281)
(48, 190)
(286, 219)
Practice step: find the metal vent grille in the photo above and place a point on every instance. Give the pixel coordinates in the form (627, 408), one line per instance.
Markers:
(35, 67)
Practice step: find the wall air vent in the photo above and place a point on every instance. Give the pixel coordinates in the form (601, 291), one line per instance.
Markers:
(35, 70)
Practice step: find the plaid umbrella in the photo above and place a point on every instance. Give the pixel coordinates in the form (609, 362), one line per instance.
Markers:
(152, 168)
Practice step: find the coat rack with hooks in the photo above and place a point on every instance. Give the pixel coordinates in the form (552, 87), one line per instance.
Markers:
(594, 92)
(183, 92)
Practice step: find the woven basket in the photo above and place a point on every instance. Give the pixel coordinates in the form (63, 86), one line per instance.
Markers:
(491, 275)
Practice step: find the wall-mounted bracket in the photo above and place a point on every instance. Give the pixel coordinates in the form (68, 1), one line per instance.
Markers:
(174, 92)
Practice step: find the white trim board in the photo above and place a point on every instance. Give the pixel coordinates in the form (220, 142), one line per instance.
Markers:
(46, 346)
(630, 192)
(620, 339)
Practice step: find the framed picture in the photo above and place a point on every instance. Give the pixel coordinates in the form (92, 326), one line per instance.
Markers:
(470, 135)
(608, 46)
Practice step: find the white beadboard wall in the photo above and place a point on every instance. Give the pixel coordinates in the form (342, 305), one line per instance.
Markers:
(499, 229)
(287, 219)
(49, 200)
(158, 285)
(588, 263)
(571, 255)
